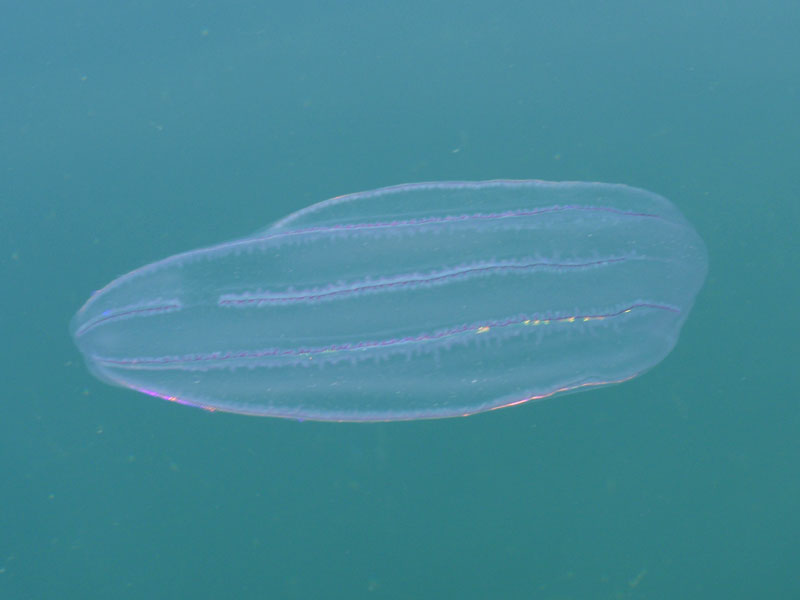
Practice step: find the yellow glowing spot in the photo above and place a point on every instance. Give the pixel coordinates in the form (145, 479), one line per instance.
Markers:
(482, 329)
(527, 322)
(537, 322)
(570, 320)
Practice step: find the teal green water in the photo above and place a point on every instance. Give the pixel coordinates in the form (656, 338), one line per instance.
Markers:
(130, 132)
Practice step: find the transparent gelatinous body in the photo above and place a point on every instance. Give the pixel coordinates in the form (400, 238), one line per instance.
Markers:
(414, 301)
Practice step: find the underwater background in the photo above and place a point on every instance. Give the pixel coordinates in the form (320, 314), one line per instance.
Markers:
(133, 131)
